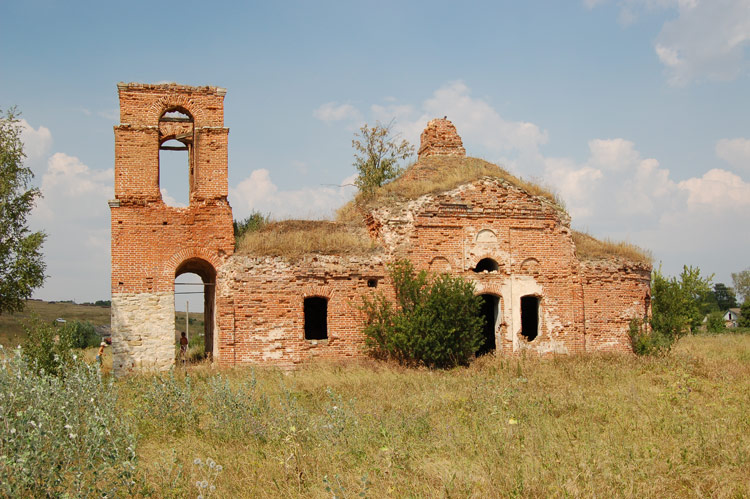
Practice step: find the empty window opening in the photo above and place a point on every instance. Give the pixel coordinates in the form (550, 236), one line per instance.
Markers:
(316, 318)
(530, 317)
(487, 264)
(174, 174)
(176, 157)
(372, 283)
(489, 312)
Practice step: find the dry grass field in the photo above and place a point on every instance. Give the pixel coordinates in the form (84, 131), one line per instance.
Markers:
(604, 426)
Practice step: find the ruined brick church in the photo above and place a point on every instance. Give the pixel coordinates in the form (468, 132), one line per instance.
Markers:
(541, 292)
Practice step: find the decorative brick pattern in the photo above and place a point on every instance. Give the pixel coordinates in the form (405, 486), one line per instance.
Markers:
(254, 305)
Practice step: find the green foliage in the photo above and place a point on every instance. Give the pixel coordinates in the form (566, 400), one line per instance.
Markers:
(21, 264)
(648, 341)
(679, 305)
(744, 320)
(168, 403)
(376, 156)
(725, 297)
(82, 334)
(62, 436)
(741, 281)
(715, 322)
(254, 222)
(47, 348)
(437, 322)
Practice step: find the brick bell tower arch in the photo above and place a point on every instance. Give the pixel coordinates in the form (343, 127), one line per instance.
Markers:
(152, 242)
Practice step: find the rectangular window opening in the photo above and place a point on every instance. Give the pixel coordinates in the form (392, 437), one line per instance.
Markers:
(530, 317)
(316, 318)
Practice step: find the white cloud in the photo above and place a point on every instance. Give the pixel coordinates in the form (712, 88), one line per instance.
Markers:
(36, 143)
(707, 39)
(736, 152)
(74, 214)
(169, 200)
(258, 193)
(718, 191)
(332, 111)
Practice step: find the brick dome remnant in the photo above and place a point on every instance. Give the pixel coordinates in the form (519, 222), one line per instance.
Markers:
(440, 138)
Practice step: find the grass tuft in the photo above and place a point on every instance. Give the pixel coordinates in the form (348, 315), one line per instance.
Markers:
(589, 248)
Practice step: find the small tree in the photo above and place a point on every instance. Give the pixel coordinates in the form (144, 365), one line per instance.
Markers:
(376, 156)
(21, 264)
(744, 320)
(436, 321)
(725, 297)
(741, 281)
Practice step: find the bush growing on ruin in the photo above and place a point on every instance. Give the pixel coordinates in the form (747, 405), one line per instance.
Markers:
(436, 321)
(254, 222)
(376, 156)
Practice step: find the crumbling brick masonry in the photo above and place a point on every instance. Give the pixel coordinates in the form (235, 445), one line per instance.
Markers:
(540, 295)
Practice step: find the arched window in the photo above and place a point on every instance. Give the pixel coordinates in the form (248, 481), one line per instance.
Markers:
(487, 264)
(316, 318)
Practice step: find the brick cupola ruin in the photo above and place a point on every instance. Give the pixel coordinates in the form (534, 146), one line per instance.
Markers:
(545, 288)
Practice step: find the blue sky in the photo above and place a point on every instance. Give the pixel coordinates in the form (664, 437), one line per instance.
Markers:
(637, 112)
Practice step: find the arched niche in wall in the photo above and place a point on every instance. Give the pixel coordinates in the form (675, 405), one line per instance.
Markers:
(440, 264)
(486, 236)
(530, 266)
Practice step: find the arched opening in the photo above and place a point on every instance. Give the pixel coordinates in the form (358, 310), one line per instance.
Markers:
(195, 288)
(316, 318)
(176, 139)
(490, 311)
(530, 317)
(486, 264)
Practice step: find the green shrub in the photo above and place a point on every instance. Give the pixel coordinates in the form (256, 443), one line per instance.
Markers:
(47, 347)
(437, 322)
(648, 341)
(62, 435)
(82, 334)
(254, 222)
(715, 322)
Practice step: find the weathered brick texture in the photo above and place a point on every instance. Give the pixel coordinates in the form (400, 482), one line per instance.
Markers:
(255, 305)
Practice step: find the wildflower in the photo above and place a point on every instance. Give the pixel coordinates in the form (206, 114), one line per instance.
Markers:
(12, 431)
(204, 484)
(197, 461)
(219, 468)
(198, 484)
(512, 421)
(212, 488)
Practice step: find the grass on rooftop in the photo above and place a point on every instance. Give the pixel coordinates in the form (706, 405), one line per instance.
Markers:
(294, 238)
(590, 248)
(439, 174)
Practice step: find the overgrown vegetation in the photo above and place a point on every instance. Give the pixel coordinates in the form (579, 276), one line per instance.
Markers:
(295, 238)
(589, 248)
(679, 307)
(613, 426)
(63, 434)
(437, 174)
(377, 153)
(436, 322)
(252, 223)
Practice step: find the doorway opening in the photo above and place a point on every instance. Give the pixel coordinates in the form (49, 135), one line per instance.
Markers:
(530, 317)
(490, 311)
(195, 296)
